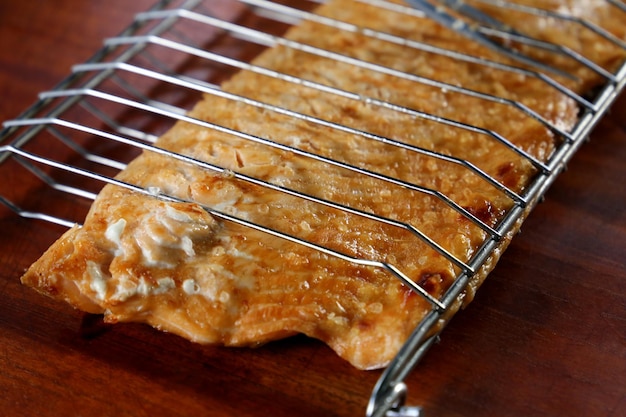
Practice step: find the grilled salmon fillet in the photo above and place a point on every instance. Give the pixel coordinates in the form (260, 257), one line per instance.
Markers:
(278, 225)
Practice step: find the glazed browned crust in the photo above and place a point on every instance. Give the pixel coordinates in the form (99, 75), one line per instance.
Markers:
(182, 269)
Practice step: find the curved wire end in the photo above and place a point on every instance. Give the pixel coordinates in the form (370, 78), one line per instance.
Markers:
(392, 404)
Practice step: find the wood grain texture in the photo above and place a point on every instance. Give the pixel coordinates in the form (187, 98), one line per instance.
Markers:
(545, 336)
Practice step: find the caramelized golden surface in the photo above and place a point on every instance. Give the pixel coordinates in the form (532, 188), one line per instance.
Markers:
(181, 269)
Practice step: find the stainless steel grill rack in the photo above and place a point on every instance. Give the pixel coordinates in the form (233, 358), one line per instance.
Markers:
(78, 136)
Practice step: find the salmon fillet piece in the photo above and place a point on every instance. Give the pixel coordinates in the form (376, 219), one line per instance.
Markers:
(194, 267)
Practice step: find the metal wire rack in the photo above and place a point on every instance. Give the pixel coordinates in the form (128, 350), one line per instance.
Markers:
(78, 136)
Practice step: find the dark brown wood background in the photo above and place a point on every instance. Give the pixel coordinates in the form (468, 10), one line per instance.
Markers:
(546, 335)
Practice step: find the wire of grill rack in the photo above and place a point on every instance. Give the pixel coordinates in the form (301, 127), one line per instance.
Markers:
(134, 89)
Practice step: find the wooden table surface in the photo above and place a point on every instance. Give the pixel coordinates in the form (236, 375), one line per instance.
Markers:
(546, 335)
